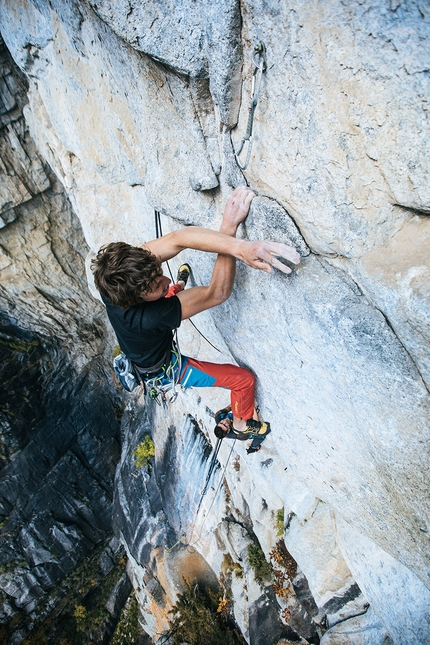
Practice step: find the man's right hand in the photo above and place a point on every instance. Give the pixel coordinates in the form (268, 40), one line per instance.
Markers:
(259, 255)
(263, 255)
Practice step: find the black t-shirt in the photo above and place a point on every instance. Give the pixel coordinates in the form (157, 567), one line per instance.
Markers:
(144, 331)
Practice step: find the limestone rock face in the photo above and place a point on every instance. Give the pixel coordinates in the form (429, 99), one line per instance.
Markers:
(201, 40)
(134, 107)
(22, 170)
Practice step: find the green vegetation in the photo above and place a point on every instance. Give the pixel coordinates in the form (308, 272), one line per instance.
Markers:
(280, 522)
(262, 569)
(229, 566)
(128, 630)
(143, 452)
(202, 616)
(80, 615)
(19, 345)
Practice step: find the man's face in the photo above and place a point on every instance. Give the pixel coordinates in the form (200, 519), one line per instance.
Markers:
(225, 425)
(159, 288)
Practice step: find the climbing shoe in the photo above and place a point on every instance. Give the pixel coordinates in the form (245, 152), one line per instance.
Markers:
(250, 450)
(256, 428)
(184, 273)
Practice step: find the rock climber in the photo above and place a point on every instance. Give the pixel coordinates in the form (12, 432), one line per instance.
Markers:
(134, 289)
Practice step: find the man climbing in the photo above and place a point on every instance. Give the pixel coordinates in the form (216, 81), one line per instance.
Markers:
(132, 285)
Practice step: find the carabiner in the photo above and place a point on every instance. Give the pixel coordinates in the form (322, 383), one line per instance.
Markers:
(260, 67)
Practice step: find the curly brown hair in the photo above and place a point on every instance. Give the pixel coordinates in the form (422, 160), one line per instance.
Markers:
(124, 274)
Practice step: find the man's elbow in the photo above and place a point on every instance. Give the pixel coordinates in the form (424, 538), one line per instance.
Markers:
(221, 294)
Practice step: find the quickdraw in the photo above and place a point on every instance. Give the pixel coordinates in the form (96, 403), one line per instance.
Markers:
(157, 388)
(259, 58)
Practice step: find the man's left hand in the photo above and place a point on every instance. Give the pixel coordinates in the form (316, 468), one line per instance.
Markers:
(236, 208)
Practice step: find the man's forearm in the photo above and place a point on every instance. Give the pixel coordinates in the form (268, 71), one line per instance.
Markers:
(198, 299)
(197, 238)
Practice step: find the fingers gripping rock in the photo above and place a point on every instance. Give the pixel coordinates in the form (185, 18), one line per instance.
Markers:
(269, 221)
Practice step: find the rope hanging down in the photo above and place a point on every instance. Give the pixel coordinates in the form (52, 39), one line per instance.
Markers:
(259, 58)
(203, 493)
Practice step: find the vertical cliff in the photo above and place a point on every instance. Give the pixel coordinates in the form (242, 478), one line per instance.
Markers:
(59, 414)
(138, 106)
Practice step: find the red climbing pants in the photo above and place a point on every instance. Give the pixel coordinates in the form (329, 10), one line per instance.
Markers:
(240, 382)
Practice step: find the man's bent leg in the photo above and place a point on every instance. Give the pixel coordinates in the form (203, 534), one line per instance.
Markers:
(240, 382)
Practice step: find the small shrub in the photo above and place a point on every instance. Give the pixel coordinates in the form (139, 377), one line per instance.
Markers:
(80, 615)
(283, 577)
(201, 616)
(262, 569)
(143, 452)
(280, 522)
(238, 571)
(223, 606)
(230, 566)
(281, 586)
(283, 557)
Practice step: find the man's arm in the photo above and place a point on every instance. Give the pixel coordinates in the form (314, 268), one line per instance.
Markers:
(259, 255)
(199, 299)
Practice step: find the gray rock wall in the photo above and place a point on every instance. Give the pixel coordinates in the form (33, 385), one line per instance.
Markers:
(134, 107)
(59, 431)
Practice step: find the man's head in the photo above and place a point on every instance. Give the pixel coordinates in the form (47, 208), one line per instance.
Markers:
(126, 274)
(223, 427)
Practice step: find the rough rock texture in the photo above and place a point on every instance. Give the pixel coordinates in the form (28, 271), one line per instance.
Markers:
(59, 426)
(128, 104)
(362, 630)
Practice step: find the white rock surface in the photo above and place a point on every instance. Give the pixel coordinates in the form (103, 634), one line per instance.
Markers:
(361, 630)
(313, 543)
(399, 599)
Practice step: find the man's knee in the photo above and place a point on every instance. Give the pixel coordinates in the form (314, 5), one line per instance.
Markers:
(248, 377)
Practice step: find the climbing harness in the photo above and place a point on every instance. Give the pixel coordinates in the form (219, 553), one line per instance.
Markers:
(259, 59)
(158, 386)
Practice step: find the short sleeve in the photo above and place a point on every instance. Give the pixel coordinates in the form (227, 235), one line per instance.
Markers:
(162, 314)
